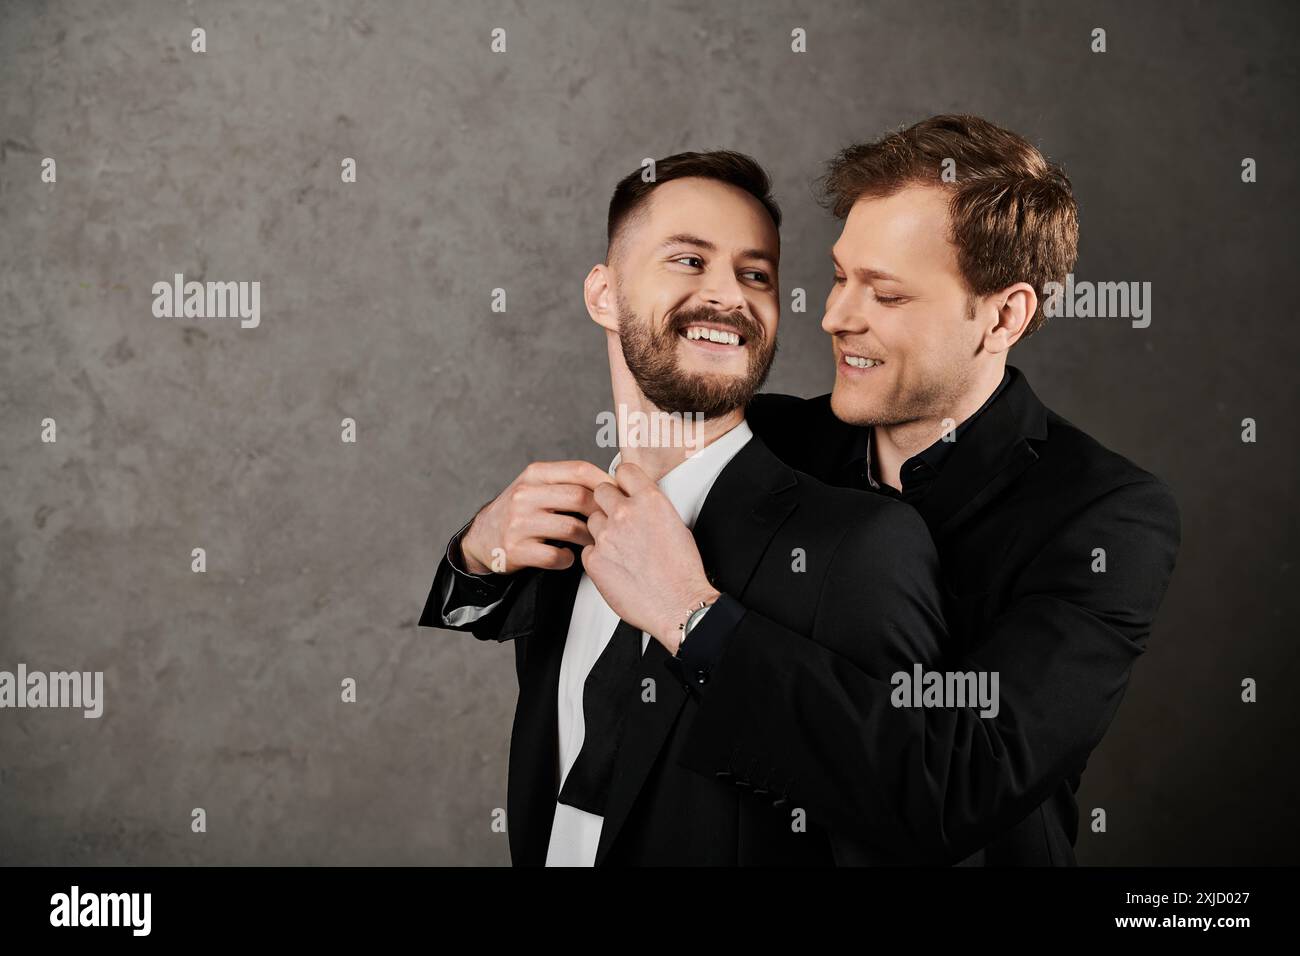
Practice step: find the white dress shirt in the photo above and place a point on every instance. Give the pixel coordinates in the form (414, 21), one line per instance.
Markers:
(575, 833)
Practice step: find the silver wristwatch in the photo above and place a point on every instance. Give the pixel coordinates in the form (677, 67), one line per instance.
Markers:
(693, 618)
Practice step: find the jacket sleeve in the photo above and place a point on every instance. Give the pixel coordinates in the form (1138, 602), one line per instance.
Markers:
(934, 784)
(493, 607)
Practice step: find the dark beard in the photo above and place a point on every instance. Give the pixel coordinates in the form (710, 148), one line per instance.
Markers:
(651, 357)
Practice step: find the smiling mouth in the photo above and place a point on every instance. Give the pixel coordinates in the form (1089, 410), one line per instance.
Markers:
(861, 361)
(701, 333)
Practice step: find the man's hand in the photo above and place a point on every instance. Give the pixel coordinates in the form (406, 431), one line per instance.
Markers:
(517, 528)
(644, 560)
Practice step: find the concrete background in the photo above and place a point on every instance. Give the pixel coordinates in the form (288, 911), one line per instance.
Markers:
(480, 170)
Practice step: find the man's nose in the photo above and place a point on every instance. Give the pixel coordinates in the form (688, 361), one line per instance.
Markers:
(724, 294)
(840, 317)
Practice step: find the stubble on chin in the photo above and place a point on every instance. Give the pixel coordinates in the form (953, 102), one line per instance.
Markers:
(903, 406)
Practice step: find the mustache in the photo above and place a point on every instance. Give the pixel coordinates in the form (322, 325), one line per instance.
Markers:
(743, 325)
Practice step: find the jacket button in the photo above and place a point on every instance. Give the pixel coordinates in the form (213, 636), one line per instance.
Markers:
(701, 676)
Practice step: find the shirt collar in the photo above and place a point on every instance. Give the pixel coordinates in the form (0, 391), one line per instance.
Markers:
(925, 465)
(688, 484)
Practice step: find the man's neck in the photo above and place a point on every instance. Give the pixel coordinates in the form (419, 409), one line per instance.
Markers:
(662, 451)
(657, 460)
(892, 445)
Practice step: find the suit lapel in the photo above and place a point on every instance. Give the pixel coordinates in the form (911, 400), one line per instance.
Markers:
(744, 508)
(988, 457)
(534, 744)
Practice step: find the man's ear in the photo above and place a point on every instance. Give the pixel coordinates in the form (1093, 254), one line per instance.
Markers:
(598, 294)
(1016, 305)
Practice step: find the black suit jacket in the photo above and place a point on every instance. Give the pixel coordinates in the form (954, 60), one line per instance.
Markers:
(1023, 511)
(853, 573)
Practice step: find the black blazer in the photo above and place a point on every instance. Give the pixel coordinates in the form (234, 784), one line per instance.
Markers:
(855, 572)
(1017, 511)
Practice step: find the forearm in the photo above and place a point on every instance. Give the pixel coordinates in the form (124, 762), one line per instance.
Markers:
(934, 784)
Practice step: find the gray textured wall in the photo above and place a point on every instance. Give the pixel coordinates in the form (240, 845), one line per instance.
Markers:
(479, 170)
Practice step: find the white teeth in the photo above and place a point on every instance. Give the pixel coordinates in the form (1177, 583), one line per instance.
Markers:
(713, 335)
(858, 361)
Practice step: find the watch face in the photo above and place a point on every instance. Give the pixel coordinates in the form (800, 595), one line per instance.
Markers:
(696, 616)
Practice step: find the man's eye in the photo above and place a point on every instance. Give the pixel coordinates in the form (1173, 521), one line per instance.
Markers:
(756, 275)
(839, 279)
(889, 299)
(695, 262)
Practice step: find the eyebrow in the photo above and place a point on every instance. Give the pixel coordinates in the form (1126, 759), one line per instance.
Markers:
(687, 239)
(866, 274)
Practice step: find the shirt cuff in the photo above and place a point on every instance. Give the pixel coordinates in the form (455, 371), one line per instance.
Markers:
(466, 597)
(704, 646)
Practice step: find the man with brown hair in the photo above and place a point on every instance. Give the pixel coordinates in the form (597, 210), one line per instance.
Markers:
(1055, 551)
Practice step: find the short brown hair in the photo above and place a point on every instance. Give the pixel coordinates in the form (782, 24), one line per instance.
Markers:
(1013, 214)
(724, 165)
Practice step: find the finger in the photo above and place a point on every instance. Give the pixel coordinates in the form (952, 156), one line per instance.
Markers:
(548, 557)
(586, 556)
(575, 498)
(607, 496)
(595, 523)
(566, 473)
(632, 479)
(547, 526)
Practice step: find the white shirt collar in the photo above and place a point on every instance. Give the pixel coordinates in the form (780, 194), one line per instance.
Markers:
(687, 485)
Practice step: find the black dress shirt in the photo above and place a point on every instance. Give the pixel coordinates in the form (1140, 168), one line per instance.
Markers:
(919, 471)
